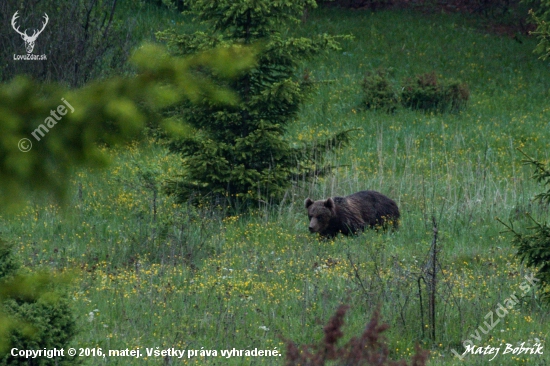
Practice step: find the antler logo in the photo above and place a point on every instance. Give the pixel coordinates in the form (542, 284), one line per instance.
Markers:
(29, 40)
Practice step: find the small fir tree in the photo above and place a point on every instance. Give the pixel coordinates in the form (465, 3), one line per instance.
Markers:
(239, 153)
(533, 242)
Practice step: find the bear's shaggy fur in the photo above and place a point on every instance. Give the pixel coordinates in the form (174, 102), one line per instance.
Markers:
(351, 214)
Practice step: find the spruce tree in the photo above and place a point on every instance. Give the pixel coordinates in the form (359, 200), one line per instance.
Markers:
(240, 154)
(533, 242)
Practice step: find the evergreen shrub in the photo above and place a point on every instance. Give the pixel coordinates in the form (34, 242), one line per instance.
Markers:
(426, 92)
(36, 317)
(379, 91)
(239, 154)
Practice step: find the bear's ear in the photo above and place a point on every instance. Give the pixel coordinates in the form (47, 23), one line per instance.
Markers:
(308, 202)
(329, 203)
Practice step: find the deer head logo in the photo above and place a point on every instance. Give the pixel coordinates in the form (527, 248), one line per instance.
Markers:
(29, 40)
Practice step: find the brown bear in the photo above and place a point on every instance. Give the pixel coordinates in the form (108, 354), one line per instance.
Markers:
(351, 214)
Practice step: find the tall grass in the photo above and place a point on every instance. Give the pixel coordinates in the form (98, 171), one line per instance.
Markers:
(155, 274)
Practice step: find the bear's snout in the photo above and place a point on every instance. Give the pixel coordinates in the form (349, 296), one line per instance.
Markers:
(313, 225)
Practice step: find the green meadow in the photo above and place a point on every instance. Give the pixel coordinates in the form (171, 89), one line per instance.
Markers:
(151, 273)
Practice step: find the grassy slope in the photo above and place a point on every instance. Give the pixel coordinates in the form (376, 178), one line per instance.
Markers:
(186, 279)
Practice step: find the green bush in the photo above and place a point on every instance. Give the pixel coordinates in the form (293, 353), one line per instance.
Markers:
(35, 318)
(379, 91)
(426, 92)
(51, 325)
(8, 263)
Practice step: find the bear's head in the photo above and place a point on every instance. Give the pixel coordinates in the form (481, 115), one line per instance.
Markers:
(319, 213)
